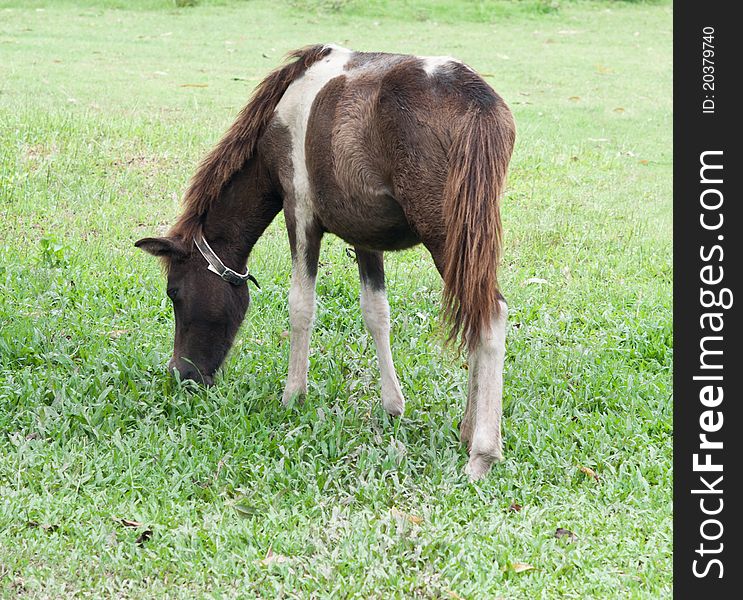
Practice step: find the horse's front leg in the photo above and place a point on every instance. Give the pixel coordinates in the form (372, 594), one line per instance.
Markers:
(376, 312)
(305, 245)
(481, 425)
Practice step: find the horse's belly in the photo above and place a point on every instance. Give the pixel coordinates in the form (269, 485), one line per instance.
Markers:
(374, 222)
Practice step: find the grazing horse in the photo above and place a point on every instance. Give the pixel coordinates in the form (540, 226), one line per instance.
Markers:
(386, 151)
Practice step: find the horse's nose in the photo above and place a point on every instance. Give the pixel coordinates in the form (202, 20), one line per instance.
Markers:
(188, 371)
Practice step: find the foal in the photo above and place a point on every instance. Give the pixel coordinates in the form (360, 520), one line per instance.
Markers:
(385, 151)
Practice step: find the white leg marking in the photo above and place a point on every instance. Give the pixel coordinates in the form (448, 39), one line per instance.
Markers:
(487, 379)
(376, 312)
(468, 419)
(301, 318)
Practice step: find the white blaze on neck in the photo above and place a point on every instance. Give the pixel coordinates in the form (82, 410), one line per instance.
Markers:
(294, 107)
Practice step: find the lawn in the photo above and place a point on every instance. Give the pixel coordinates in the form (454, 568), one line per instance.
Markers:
(116, 480)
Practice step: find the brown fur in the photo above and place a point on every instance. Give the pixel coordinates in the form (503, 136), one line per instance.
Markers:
(353, 190)
(417, 158)
(239, 144)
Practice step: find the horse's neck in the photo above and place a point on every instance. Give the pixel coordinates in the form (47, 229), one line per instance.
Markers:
(241, 214)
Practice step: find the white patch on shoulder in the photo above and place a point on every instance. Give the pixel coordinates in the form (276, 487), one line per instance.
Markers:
(293, 111)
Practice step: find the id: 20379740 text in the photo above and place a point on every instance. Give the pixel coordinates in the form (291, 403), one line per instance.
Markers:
(708, 69)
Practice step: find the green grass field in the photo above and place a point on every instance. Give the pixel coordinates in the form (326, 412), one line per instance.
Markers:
(104, 114)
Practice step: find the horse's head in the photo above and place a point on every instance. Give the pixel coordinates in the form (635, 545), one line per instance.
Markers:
(208, 308)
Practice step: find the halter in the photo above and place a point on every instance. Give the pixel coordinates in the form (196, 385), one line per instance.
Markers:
(218, 267)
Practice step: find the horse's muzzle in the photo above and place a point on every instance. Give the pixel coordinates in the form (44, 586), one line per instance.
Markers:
(188, 371)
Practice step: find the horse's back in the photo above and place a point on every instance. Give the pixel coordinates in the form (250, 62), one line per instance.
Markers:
(376, 140)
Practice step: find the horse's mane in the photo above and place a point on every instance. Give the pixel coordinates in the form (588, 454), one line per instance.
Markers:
(238, 145)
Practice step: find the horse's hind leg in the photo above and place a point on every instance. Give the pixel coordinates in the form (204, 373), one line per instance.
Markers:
(467, 423)
(376, 312)
(304, 239)
(480, 428)
(481, 425)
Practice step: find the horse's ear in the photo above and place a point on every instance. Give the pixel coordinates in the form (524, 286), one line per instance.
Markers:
(161, 246)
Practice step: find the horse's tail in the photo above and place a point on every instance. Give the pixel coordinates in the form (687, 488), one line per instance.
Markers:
(479, 155)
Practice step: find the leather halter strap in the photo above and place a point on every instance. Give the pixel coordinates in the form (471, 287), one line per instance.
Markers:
(218, 267)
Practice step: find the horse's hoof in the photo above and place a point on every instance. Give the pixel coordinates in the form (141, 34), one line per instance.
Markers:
(293, 397)
(479, 465)
(394, 407)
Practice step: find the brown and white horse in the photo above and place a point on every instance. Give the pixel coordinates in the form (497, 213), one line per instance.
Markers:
(385, 151)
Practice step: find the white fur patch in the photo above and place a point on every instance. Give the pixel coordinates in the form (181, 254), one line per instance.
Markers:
(376, 312)
(293, 111)
(432, 63)
(487, 396)
(301, 318)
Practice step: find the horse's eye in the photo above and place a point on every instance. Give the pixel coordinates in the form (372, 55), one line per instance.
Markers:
(172, 293)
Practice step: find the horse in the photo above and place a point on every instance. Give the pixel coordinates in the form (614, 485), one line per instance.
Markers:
(385, 151)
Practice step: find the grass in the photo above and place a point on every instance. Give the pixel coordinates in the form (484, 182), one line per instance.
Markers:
(104, 114)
